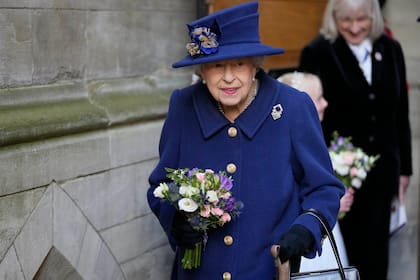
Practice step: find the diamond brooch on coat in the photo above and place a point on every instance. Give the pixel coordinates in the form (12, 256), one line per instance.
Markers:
(277, 112)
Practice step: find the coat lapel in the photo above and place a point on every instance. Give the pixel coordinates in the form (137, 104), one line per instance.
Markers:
(255, 115)
(348, 65)
(205, 107)
(377, 62)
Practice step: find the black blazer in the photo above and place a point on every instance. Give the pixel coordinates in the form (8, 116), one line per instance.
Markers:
(376, 116)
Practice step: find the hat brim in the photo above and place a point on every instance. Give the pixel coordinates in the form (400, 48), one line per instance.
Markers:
(230, 52)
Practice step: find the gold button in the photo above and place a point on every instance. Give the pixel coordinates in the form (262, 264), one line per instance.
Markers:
(232, 132)
(227, 276)
(231, 168)
(228, 240)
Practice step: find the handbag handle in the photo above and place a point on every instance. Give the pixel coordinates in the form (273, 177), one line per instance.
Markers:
(283, 269)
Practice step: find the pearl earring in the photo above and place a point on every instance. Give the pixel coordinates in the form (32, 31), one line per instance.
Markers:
(203, 81)
(253, 79)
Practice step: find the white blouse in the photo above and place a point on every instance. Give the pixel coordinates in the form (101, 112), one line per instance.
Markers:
(363, 52)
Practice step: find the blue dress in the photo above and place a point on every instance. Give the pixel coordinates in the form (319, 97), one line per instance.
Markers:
(280, 167)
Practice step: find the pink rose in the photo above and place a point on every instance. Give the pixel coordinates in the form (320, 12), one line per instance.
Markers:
(226, 195)
(353, 171)
(225, 218)
(217, 211)
(200, 176)
(205, 212)
(348, 158)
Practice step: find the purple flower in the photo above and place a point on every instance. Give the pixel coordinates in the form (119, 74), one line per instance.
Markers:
(230, 203)
(191, 172)
(225, 182)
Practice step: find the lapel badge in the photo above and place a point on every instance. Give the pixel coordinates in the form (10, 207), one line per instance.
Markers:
(276, 112)
(378, 56)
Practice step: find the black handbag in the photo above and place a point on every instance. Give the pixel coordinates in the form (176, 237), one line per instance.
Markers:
(340, 273)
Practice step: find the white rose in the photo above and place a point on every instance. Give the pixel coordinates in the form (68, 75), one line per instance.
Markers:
(187, 205)
(187, 191)
(360, 154)
(356, 182)
(342, 170)
(211, 196)
(339, 165)
(361, 173)
(183, 190)
(160, 190)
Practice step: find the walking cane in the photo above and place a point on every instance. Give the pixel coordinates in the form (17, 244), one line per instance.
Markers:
(282, 269)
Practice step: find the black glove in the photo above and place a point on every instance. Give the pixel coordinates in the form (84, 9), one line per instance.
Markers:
(295, 243)
(184, 233)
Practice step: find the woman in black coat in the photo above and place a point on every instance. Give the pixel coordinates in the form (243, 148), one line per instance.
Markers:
(363, 76)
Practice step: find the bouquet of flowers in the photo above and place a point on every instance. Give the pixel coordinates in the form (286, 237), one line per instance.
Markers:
(350, 163)
(206, 200)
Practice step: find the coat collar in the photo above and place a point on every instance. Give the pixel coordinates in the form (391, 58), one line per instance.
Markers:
(377, 60)
(249, 121)
(348, 64)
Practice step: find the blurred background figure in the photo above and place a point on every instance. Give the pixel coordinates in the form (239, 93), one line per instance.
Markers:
(364, 80)
(310, 84)
(387, 30)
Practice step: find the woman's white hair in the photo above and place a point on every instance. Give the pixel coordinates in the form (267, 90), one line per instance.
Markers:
(256, 60)
(342, 8)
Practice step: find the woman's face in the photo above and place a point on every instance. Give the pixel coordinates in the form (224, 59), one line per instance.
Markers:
(355, 26)
(229, 82)
(313, 87)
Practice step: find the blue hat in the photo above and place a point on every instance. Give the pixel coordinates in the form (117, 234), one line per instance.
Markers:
(227, 34)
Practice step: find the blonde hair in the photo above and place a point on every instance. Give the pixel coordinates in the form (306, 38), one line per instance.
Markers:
(339, 8)
(296, 79)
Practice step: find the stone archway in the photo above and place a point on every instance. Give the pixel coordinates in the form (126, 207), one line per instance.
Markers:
(56, 266)
(58, 240)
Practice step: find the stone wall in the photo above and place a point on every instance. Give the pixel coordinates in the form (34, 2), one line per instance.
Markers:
(84, 86)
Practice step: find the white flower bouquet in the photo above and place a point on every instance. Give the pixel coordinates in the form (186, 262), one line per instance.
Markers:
(206, 200)
(351, 164)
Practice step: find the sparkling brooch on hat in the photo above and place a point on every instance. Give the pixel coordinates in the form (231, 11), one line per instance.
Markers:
(203, 40)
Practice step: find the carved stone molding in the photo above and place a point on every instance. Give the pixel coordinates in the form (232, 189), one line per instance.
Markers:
(39, 112)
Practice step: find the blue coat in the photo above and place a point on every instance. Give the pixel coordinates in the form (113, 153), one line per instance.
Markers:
(282, 167)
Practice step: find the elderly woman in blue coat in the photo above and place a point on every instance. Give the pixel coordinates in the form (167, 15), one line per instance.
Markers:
(264, 134)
